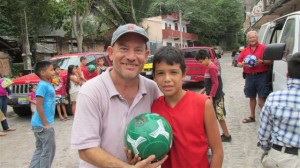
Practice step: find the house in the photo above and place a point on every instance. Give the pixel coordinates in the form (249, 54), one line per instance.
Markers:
(165, 30)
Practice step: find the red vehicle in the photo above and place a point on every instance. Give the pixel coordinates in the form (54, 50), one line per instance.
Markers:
(20, 89)
(194, 70)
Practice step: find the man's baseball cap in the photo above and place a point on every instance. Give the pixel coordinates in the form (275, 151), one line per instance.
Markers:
(128, 28)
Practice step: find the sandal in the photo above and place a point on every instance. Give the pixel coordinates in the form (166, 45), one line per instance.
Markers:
(67, 118)
(10, 129)
(249, 119)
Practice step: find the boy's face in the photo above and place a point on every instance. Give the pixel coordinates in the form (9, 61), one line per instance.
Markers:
(48, 73)
(83, 62)
(169, 78)
(204, 62)
(57, 71)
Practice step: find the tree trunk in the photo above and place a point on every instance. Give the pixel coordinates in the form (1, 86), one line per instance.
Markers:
(25, 44)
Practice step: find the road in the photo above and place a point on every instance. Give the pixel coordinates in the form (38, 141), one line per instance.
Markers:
(17, 147)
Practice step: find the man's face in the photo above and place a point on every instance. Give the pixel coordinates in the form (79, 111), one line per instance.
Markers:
(252, 39)
(169, 78)
(128, 55)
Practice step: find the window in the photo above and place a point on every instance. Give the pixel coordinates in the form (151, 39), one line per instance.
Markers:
(169, 44)
(176, 26)
(90, 59)
(166, 26)
(288, 37)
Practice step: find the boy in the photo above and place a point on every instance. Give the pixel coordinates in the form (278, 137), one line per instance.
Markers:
(42, 121)
(213, 86)
(83, 70)
(60, 93)
(190, 114)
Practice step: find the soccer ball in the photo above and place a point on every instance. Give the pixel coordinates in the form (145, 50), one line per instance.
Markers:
(91, 68)
(148, 134)
(250, 60)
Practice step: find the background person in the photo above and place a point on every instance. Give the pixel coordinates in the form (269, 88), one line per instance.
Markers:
(32, 98)
(279, 129)
(190, 114)
(256, 78)
(73, 86)
(60, 93)
(213, 86)
(108, 102)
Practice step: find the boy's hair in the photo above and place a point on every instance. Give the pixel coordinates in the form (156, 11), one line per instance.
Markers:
(82, 58)
(201, 55)
(55, 67)
(293, 66)
(170, 55)
(41, 66)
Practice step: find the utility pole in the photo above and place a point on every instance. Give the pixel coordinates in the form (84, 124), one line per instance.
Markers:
(180, 25)
(26, 48)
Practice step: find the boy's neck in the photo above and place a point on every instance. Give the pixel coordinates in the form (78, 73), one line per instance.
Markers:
(173, 100)
(46, 80)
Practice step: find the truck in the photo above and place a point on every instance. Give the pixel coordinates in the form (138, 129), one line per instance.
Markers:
(282, 37)
(20, 89)
(194, 70)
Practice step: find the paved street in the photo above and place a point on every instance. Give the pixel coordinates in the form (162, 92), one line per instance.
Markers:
(17, 147)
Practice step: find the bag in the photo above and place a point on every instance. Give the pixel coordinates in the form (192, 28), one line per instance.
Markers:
(6, 82)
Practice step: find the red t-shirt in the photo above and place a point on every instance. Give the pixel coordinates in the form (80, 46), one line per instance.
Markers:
(84, 70)
(189, 148)
(258, 52)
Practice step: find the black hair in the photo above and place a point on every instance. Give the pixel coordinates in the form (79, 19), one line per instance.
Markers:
(201, 55)
(68, 85)
(82, 58)
(41, 66)
(170, 55)
(31, 86)
(55, 67)
(293, 66)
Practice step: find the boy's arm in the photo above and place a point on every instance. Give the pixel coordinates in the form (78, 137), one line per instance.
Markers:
(214, 81)
(40, 110)
(213, 135)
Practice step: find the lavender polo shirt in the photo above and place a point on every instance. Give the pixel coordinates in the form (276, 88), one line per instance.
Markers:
(102, 114)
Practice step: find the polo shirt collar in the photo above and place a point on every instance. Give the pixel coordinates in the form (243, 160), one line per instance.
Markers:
(112, 91)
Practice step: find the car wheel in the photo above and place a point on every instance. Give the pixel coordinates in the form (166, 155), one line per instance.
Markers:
(22, 111)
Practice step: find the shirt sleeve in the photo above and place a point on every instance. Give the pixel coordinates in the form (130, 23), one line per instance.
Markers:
(241, 57)
(41, 90)
(213, 72)
(264, 130)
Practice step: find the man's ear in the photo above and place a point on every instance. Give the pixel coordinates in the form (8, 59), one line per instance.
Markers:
(110, 52)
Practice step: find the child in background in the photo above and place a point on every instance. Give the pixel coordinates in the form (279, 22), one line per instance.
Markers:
(59, 87)
(214, 89)
(42, 121)
(73, 86)
(100, 66)
(32, 98)
(190, 114)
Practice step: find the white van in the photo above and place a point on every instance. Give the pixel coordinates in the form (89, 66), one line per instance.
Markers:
(285, 30)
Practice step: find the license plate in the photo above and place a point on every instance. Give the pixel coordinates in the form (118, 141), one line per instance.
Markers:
(188, 78)
(149, 73)
(23, 100)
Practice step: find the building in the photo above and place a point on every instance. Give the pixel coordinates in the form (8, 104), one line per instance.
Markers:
(166, 30)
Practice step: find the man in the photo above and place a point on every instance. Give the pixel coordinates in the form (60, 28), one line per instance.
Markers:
(108, 102)
(279, 130)
(256, 77)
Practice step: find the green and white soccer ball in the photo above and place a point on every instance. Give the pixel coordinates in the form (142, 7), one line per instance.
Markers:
(148, 134)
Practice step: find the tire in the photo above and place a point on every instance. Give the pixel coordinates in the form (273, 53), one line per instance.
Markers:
(22, 111)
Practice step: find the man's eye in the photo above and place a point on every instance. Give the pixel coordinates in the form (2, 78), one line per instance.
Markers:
(123, 49)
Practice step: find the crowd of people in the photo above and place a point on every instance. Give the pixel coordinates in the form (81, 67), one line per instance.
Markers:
(104, 104)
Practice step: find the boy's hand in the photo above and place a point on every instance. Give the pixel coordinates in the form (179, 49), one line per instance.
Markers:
(130, 160)
(47, 126)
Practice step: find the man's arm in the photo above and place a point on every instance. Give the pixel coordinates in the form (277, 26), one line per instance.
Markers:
(100, 158)
(213, 135)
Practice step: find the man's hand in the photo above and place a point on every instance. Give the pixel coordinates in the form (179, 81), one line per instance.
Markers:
(132, 161)
(147, 163)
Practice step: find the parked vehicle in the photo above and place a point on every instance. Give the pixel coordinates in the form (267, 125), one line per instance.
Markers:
(194, 70)
(20, 89)
(285, 30)
(147, 70)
